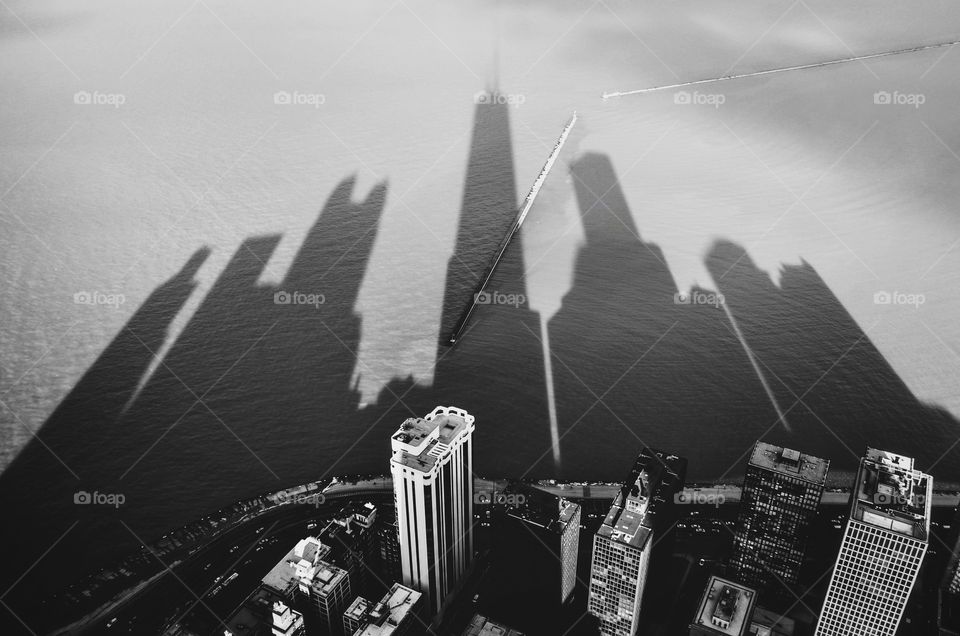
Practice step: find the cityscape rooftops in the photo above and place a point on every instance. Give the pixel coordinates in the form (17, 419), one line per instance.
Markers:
(304, 566)
(480, 625)
(890, 493)
(790, 462)
(726, 608)
(421, 442)
(386, 616)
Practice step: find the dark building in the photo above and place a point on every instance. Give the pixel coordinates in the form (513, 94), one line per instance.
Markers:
(781, 495)
(388, 545)
(633, 543)
(949, 610)
(536, 538)
(352, 538)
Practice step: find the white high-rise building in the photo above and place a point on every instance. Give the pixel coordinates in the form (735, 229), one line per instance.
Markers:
(883, 547)
(432, 467)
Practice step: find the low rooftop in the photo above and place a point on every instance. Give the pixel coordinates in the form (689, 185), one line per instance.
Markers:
(726, 608)
(541, 508)
(480, 625)
(282, 577)
(890, 493)
(391, 612)
(254, 616)
(790, 462)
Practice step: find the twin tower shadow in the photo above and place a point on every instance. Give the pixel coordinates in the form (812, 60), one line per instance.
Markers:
(254, 395)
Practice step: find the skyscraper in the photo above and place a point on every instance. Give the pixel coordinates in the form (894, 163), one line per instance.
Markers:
(536, 540)
(352, 540)
(432, 467)
(623, 546)
(883, 546)
(781, 495)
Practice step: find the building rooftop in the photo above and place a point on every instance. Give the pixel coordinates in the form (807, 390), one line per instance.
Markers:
(324, 578)
(767, 623)
(283, 576)
(726, 608)
(304, 566)
(790, 462)
(541, 508)
(482, 626)
(421, 442)
(254, 616)
(384, 617)
(357, 610)
(890, 493)
(652, 483)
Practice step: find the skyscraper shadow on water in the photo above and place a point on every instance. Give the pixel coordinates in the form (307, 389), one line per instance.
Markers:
(495, 370)
(254, 395)
(838, 391)
(636, 362)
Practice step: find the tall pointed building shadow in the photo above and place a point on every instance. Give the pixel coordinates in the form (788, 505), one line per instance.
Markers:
(634, 364)
(841, 393)
(505, 333)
